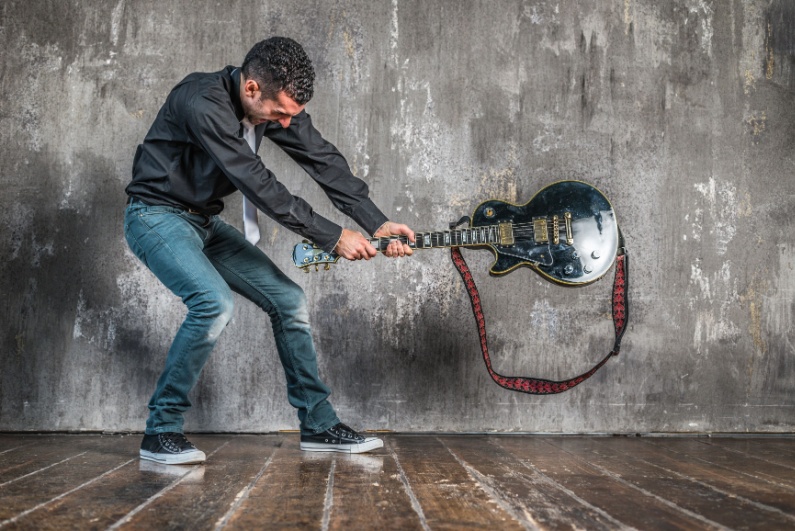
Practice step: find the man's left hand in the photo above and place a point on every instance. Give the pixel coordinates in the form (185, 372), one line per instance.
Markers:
(396, 248)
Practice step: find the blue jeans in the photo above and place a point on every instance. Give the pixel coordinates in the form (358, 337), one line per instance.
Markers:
(203, 260)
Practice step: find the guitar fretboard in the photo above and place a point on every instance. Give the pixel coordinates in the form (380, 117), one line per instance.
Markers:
(540, 230)
(494, 234)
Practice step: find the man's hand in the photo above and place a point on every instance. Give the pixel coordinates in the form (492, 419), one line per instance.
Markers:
(396, 248)
(354, 246)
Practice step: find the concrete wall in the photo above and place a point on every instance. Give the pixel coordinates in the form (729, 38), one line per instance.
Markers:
(681, 111)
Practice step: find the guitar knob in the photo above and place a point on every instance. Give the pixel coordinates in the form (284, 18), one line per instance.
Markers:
(587, 269)
(568, 270)
(575, 255)
(595, 255)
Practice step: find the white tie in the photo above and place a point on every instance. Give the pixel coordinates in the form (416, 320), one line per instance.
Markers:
(250, 223)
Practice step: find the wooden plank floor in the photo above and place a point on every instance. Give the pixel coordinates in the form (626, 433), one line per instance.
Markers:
(416, 482)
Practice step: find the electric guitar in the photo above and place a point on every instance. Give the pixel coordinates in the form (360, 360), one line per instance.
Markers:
(567, 233)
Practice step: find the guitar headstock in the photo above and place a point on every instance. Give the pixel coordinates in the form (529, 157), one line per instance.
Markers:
(306, 254)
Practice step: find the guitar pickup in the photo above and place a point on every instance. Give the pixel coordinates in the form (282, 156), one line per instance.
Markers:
(540, 230)
(506, 234)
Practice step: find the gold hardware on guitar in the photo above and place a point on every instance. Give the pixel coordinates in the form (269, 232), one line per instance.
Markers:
(569, 236)
(506, 233)
(540, 234)
(555, 229)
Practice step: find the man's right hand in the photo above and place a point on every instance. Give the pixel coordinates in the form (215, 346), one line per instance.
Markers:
(354, 246)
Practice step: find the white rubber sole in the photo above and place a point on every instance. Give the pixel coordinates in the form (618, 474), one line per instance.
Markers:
(187, 458)
(371, 443)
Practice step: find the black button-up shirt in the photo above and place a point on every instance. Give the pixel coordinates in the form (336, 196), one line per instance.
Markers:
(195, 154)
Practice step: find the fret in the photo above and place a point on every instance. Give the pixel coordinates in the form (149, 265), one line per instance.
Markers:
(489, 234)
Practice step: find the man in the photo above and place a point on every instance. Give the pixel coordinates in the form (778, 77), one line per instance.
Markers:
(202, 147)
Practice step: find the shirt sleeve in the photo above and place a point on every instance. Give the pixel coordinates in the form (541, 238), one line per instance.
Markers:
(326, 165)
(212, 124)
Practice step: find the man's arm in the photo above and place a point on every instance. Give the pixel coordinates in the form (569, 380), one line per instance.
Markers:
(213, 125)
(326, 165)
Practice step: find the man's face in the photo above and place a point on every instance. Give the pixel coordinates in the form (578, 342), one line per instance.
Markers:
(281, 109)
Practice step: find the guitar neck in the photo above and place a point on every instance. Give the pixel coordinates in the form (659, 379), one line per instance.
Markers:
(501, 234)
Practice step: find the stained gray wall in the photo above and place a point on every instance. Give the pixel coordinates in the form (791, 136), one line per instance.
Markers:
(681, 111)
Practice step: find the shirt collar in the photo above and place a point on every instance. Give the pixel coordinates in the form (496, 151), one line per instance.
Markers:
(238, 105)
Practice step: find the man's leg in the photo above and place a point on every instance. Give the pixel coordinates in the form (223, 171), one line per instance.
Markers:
(170, 242)
(252, 274)
(249, 272)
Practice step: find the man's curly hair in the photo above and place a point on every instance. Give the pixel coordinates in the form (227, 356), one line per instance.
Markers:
(280, 64)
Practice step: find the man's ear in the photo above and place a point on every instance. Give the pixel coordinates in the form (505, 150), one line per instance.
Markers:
(250, 88)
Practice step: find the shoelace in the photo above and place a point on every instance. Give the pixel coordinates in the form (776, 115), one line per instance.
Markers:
(175, 441)
(345, 431)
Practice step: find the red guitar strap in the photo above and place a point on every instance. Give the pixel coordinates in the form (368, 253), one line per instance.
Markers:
(539, 386)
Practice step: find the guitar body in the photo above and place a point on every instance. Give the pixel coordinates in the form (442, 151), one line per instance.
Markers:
(587, 241)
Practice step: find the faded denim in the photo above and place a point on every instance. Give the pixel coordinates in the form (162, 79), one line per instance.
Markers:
(203, 260)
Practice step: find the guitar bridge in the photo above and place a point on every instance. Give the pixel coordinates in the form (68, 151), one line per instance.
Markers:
(540, 231)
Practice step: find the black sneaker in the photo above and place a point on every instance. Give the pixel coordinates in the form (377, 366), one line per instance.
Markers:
(170, 449)
(339, 438)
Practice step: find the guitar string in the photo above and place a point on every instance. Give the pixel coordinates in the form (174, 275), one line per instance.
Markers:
(526, 228)
(455, 237)
(436, 237)
(520, 231)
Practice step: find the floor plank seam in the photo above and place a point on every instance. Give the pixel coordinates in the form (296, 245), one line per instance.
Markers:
(659, 498)
(739, 497)
(15, 448)
(562, 488)
(525, 520)
(242, 496)
(415, 503)
(645, 492)
(42, 469)
(63, 495)
(128, 517)
(752, 456)
(328, 503)
(718, 465)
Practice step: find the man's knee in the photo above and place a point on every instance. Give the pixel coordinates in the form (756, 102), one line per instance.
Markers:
(290, 304)
(294, 296)
(213, 305)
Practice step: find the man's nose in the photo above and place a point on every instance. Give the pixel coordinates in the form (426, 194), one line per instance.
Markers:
(285, 122)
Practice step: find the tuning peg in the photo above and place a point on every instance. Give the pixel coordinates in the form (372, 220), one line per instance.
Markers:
(316, 269)
(306, 269)
(328, 266)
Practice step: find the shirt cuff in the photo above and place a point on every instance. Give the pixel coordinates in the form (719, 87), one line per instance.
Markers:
(368, 216)
(324, 233)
